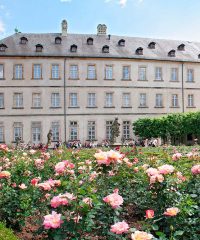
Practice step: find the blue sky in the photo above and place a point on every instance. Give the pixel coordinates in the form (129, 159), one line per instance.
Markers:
(170, 19)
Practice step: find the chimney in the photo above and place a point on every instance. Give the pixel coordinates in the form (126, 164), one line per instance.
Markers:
(101, 29)
(64, 26)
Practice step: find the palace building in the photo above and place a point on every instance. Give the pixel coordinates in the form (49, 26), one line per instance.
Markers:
(77, 84)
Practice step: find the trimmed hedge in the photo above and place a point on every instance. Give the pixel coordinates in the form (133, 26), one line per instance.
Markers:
(6, 234)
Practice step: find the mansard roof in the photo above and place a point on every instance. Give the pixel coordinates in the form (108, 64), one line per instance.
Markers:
(47, 40)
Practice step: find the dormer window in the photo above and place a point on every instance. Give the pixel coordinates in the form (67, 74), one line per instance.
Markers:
(172, 53)
(121, 43)
(3, 47)
(58, 40)
(139, 51)
(152, 45)
(90, 41)
(73, 48)
(39, 48)
(181, 47)
(105, 49)
(23, 40)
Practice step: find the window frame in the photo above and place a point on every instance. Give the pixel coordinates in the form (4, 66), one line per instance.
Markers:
(33, 75)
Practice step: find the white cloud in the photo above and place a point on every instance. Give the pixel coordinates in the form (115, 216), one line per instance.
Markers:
(122, 3)
(2, 27)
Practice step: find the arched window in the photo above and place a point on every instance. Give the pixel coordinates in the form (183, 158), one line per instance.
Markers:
(181, 47)
(105, 49)
(152, 45)
(139, 51)
(3, 47)
(73, 48)
(121, 43)
(39, 48)
(58, 40)
(23, 40)
(90, 41)
(172, 53)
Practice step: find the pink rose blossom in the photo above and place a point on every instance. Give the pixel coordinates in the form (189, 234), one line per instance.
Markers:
(195, 169)
(152, 171)
(52, 220)
(114, 199)
(166, 169)
(120, 228)
(176, 156)
(22, 186)
(171, 212)
(58, 201)
(5, 174)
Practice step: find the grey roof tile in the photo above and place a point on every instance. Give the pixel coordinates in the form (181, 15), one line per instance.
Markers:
(192, 49)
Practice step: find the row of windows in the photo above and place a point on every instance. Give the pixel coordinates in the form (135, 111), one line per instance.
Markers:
(18, 101)
(36, 131)
(92, 73)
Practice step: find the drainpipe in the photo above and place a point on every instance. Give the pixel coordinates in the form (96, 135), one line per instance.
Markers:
(182, 88)
(65, 127)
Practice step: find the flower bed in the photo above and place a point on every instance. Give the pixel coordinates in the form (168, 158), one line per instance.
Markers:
(149, 193)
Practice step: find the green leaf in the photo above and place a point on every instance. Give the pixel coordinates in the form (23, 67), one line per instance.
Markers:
(155, 227)
(178, 233)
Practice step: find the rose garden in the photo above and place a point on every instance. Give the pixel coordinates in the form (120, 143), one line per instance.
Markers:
(125, 193)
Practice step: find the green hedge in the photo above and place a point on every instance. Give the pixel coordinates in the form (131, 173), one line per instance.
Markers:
(173, 126)
(6, 234)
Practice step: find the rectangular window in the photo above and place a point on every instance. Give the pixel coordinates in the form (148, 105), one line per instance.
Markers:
(108, 129)
(143, 100)
(1, 71)
(91, 130)
(91, 72)
(126, 73)
(126, 98)
(18, 100)
(109, 72)
(55, 127)
(36, 130)
(159, 100)
(1, 132)
(190, 100)
(174, 100)
(174, 74)
(126, 129)
(91, 99)
(109, 100)
(190, 75)
(18, 71)
(36, 100)
(1, 100)
(55, 100)
(37, 71)
(73, 129)
(158, 74)
(17, 131)
(73, 99)
(55, 73)
(73, 72)
(142, 73)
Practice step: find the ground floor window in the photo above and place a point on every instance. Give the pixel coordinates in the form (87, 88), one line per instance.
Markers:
(36, 132)
(55, 127)
(91, 130)
(1, 132)
(108, 129)
(126, 129)
(17, 131)
(73, 130)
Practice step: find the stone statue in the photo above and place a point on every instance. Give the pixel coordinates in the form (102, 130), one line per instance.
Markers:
(114, 130)
(49, 137)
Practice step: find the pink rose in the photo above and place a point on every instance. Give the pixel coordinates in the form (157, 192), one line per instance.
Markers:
(52, 220)
(120, 227)
(114, 199)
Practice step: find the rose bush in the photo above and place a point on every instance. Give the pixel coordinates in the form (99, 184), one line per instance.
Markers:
(95, 194)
